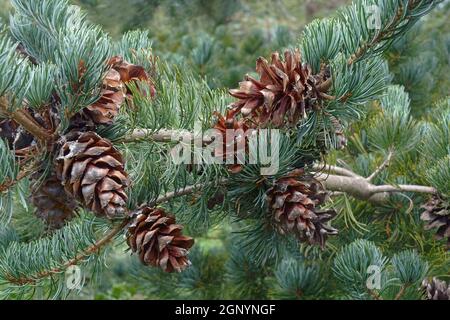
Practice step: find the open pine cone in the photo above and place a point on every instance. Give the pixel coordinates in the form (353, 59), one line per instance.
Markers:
(105, 109)
(437, 215)
(157, 239)
(436, 289)
(92, 170)
(52, 203)
(294, 201)
(235, 144)
(284, 92)
(130, 72)
(114, 91)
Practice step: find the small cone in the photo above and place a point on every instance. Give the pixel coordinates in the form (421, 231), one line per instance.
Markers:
(234, 140)
(294, 201)
(157, 239)
(437, 216)
(52, 203)
(104, 110)
(436, 289)
(92, 170)
(284, 93)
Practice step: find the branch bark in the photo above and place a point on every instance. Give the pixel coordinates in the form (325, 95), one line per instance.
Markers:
(26, 121)
(362, 189)
(162, 135)
(334, 169)
(381, 167)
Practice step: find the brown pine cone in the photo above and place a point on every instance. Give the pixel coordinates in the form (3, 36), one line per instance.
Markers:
(104, 110)
(238, 143)
(157, 239)
(294, 201)
(52, 203)
(92, 170)
(437, 215)
(285, 91)
(436, 289)
(131, 72)
(113, 93)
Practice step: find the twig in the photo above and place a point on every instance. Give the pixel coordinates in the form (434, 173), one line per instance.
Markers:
(401, 292)
(381, 167)
(162, 135)
(375, 294)
(403, 188)
(11, 182)
(382, 35)
(335, 169)
(173, 194)
(23, 118)
(379, 37)
(361, 189)
(95, 248)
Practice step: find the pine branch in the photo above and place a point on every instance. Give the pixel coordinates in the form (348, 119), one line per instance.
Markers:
(162, 135)
(361, 189)
(12, 182)
(90, 250)
(23, 118)
(401, 292)
(381, 167)
(345, 181)
(389, 31)
(335, 169)
(105, 240)
(362, 50)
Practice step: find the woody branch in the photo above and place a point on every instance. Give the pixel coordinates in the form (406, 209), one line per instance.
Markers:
(334, 178)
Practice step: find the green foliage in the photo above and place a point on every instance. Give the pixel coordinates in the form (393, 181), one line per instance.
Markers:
(41, 88)
(409, 267)
(241, 270)
(24, 262)
(297, 280)
(438, 175)
(352, 266)
(8, 173)
(321, 42)
(395, 129)
(419, 60)
(372, 25)
(356, 84)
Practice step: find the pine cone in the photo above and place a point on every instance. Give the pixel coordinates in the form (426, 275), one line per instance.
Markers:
(437, 215)
(293, 200)
(113, 93)
(112, 96)
(239, 143)
(286, 89)
(436, 289)
(52, 203)
(131, 72)
(92, 170)
(158, 240)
